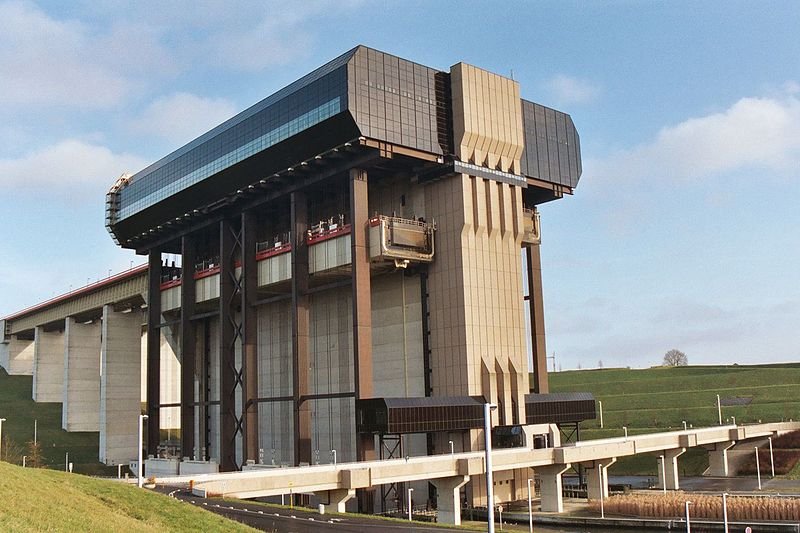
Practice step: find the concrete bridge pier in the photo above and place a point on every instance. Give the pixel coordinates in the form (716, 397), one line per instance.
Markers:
(448, 491)
(81, 390)
(16, 356)
(552, 500)
(337, 499)
(48, 365)
(671, 469)
(597, 478)
(718, 458)
(120, 385)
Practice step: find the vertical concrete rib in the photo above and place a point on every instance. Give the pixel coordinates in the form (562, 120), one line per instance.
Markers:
(153, 351)
(250, 336)
(188, 347)
(82, 345)
(120, 385)
(48, 365)
(536, 305)
(300, 328)
(227, 346)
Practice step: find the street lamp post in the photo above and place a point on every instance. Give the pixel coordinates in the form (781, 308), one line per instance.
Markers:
(758, 469)
(1, 436)
(600, 403)
(725, 510)
(719, 409)
(602, 508)
(733, 418)
(410, 490)
(530, 507)
(688, 525)
(333, 454)
(625, 429)
(24, 460)
(487, 434)
(452, 450)
(684, 424)
(663, 474)
(771, 457)
(140, 464)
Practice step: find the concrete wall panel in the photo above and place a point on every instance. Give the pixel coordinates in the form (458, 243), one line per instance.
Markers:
(17, 356)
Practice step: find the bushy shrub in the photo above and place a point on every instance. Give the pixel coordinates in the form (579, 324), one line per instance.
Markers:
(672, 505)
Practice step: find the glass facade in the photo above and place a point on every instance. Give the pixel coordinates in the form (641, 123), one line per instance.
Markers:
(390, 99)
(306, 102)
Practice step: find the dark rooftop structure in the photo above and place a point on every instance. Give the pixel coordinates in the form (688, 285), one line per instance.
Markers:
(363, 97)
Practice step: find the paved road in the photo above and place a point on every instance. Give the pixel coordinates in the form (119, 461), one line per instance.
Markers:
(295, 520)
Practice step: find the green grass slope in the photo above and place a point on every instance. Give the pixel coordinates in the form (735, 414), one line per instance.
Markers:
(44, 500)
(661, 398)
(20, 411)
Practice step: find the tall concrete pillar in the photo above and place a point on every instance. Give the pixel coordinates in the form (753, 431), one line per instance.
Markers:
(81, 391)
(597, 478)
(48, 365)
(18, 356)
(670, 468)
(448, 501)
(120, 386)
(552, 500)
(718, 458)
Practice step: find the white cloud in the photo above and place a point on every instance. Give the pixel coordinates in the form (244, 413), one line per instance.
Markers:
(68, 164)
(181, 117)
(46, 61)
(569, 90)
(757, 132)
(276, 34)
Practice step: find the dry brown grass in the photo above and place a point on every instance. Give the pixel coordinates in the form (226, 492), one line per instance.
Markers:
(703, 506)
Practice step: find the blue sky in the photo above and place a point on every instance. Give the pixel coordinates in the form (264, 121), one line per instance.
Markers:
(683, 233)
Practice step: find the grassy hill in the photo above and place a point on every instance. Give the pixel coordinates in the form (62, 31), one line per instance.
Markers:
(57, 501)
(20, 411)
(660, 398)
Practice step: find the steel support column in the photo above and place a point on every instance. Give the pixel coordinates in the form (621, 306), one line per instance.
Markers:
(230, 331)
(536, 306)
(188, 348)
(250, 337)
(300, 328)
(153, 351)
(362, 315)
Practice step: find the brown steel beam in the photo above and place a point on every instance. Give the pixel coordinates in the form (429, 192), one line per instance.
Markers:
(249, 336)
(208, 219)
(188, 347)
(362, 306)
(536, 306)
(227, 346)
(300, 328)
(362, 316)
(153, 351)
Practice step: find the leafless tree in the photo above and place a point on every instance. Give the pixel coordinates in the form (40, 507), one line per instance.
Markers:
(675, 358)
